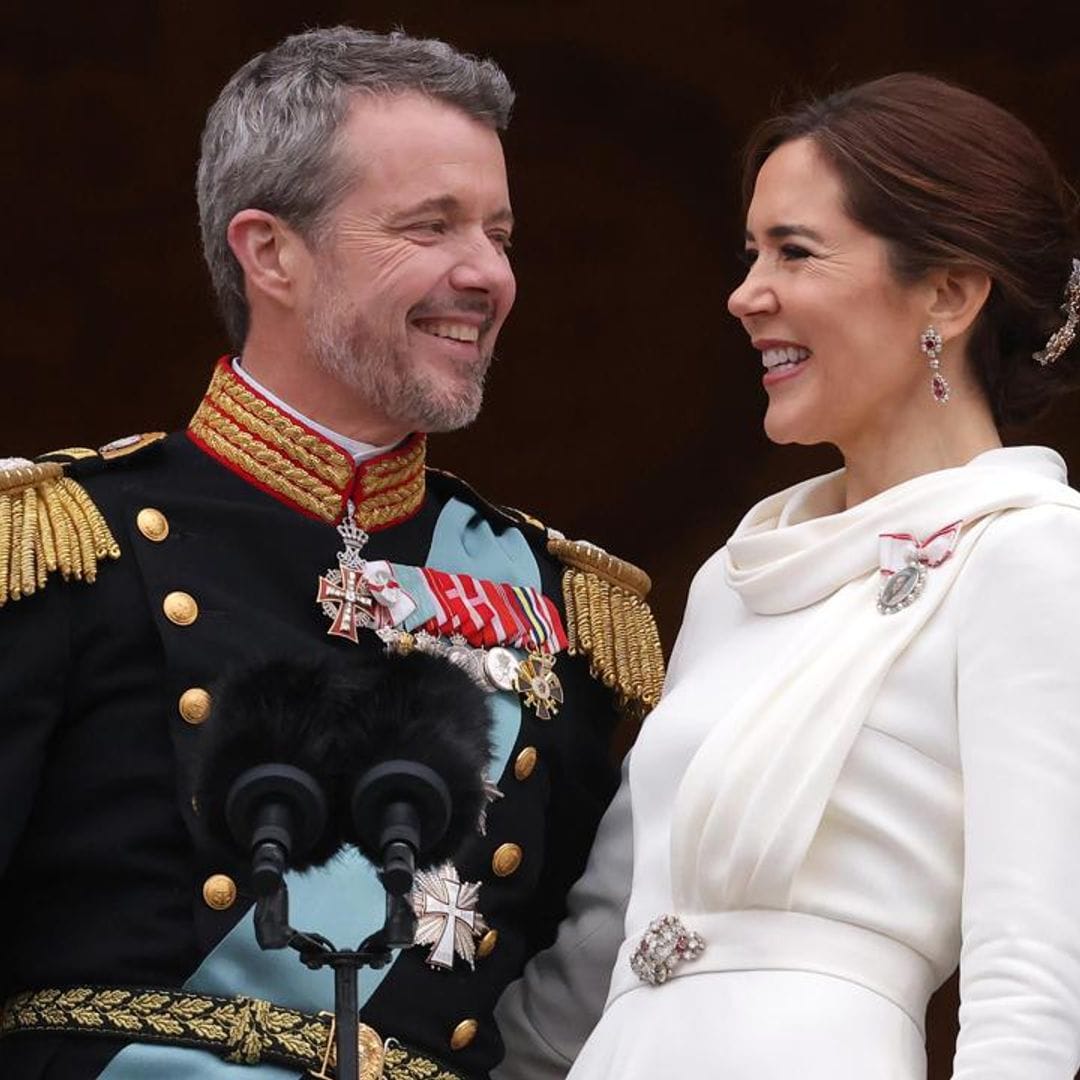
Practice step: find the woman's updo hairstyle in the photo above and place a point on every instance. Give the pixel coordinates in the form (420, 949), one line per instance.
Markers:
(947, 178)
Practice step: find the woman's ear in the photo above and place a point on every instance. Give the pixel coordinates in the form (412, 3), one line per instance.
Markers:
(958, 296)
(273, 257)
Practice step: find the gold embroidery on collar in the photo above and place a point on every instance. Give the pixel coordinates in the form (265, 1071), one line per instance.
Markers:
(337, 473)
(250, 457)
(379, 510)
(258, 440)
(387, 472)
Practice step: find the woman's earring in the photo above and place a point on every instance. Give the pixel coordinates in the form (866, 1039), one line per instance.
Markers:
(931, 344)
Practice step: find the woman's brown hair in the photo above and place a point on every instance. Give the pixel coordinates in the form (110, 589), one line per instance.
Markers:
(948, 178)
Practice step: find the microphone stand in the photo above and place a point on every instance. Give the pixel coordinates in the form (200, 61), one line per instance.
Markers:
(272, 931)
(396, 805)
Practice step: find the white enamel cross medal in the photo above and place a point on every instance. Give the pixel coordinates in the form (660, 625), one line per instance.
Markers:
(446, 915)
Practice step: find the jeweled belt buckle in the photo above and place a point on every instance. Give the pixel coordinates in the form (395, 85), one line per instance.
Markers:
(665, 945)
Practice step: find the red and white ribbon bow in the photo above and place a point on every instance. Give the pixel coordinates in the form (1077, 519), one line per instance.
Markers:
(397, 604)
(898, 550)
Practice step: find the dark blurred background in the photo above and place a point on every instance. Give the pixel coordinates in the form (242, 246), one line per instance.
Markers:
(626, 404)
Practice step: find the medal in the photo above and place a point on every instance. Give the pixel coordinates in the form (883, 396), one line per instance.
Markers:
(472, 623)
(447, 916)
(343, 593)
(901, 588)
(905, 561)
(500, 666)
(538, 684)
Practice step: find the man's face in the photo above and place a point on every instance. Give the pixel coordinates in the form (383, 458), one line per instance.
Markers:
(411, 281)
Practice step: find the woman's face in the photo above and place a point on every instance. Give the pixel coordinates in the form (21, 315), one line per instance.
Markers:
(837, 333)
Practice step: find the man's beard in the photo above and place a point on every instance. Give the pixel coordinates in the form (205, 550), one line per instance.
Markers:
(366, 360)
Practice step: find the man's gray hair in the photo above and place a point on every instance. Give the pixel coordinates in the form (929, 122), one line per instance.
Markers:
(269, 141)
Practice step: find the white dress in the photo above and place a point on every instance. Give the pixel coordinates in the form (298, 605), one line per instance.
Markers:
(845, 804)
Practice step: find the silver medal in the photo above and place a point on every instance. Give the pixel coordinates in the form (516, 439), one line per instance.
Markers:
(500, 666)
(901, 588)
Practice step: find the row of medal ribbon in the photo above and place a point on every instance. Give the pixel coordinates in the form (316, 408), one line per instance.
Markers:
(472, 622)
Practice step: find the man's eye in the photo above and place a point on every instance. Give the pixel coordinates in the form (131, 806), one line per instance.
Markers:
(501, 240)
(436, 227)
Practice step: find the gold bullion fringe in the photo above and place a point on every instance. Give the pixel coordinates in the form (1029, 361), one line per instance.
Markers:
(615, 629)
(48, 523)
(242, 1030)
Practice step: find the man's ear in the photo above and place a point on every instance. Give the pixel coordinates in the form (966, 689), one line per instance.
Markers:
(274, 258)
(959, 294)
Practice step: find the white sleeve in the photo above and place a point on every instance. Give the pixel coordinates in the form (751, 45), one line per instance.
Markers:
(546, 1016)
(1018, 695)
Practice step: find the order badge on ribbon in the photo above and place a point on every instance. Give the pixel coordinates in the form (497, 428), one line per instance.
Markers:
(905, 561)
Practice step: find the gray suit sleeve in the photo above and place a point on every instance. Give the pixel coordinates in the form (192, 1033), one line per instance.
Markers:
(546, 1015)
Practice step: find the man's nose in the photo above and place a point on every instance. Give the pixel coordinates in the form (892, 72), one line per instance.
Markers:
(482, 265)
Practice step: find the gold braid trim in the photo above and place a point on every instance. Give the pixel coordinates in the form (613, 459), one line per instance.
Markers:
(275, 430)
(391, 487)
(379, 510)
(609, 622)
(593, 560)
(396, 470)
(266, 465)
(48, 523)
(246, 1031)
(259, 441)
(288, 435)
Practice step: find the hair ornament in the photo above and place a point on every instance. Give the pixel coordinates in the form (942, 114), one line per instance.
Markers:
(1063, 337)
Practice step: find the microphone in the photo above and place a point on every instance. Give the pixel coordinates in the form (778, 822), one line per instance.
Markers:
(385, 752)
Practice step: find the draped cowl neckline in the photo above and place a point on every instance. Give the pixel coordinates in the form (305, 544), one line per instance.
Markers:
(799, 546)
(753, 796)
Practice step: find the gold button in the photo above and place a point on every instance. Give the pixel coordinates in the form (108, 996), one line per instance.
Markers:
(195, 705)
(463, 1034)
(506, 860)
(180, 608)
(525, 763)
(152, 524)
(487, 944)
(219, 892)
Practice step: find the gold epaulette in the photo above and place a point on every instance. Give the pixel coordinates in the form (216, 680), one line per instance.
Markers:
(609, 622)
(47, 523)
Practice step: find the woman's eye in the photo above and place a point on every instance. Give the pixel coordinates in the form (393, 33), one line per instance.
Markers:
(748, 256)
(794, 251)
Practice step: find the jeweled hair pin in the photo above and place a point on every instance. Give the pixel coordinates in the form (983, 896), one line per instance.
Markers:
(1063, 337)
